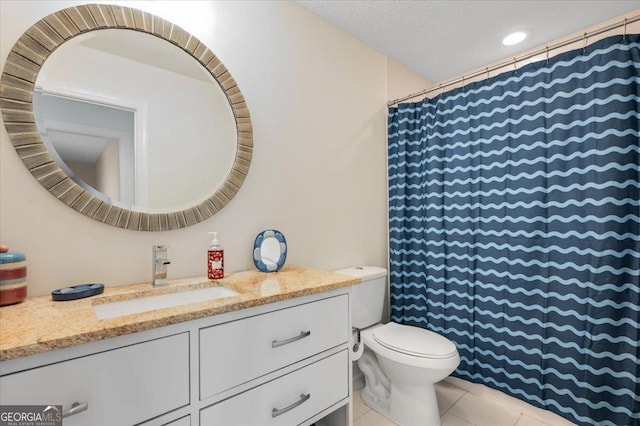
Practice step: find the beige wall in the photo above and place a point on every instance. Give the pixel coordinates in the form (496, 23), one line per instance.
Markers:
(401, 81)
(317, 99)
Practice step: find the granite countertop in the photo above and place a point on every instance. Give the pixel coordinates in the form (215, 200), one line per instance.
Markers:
(38, 324)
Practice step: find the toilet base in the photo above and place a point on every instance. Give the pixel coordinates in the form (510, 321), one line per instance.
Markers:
(403, 405)
(414, 406)
(406, 407)
(377, 389)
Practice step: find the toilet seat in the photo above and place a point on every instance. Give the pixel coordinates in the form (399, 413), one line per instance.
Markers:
(414, 341)
(370, 342)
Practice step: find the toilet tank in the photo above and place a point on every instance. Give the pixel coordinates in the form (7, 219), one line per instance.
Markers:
(368, 297)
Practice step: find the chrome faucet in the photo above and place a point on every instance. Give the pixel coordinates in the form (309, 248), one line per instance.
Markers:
(160, 263)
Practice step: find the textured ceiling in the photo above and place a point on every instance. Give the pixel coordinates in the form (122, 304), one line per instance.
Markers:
(443, 39)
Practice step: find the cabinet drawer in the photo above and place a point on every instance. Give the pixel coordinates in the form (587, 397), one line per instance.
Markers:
(298, 396)
(269, 342)
(121, 386)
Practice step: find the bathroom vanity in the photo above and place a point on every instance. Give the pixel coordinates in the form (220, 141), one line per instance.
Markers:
(275, 354)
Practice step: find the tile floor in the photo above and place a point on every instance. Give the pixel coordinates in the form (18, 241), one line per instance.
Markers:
(459, 407)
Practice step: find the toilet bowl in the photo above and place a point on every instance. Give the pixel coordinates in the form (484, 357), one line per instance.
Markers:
(400, 363)
(409, 360)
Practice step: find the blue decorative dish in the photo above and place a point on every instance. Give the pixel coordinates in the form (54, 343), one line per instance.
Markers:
(270, 251)
(76, 292)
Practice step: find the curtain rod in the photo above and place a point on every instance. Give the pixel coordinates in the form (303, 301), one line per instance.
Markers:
(515, 60)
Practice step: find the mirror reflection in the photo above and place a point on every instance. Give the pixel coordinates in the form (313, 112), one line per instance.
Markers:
(135, 120)
(270, 251)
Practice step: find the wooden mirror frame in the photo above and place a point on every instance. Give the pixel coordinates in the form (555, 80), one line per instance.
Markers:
(16, 103)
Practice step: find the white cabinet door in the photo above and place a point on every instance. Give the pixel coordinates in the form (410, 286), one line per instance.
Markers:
(288, 400)
(122, 386)
(240, 351)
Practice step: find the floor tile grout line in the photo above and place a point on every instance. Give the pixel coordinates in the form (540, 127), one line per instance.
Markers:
(457, 401)
(518, 419)
(454, 403)
(460, 418)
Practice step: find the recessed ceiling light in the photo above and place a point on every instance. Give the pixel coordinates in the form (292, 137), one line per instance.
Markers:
(514, 38)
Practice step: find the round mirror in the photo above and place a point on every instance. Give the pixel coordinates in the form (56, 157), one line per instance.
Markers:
(126, 118)
(110, 106)
(269, 251)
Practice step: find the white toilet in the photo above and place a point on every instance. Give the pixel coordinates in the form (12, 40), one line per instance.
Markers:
(400, 363)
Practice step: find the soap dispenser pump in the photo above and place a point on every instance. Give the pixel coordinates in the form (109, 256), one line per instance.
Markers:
(215, 259)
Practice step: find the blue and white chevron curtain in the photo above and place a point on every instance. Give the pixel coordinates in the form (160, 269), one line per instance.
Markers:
(514, 220)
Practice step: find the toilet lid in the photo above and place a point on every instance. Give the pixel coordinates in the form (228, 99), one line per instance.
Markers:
(414, 341)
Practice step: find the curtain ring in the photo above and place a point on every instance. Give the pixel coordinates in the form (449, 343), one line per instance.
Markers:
(624, 30)
(584, 43)
(515, 65)
(440, 86)
(487, 70)
(547, 49)
(463, 82)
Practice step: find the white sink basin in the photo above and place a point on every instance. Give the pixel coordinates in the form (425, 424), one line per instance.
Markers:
(151, 303)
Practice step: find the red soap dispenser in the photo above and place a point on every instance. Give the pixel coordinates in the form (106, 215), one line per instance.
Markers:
(215, 259)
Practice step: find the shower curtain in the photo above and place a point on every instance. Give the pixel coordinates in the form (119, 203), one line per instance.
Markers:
(514, 220)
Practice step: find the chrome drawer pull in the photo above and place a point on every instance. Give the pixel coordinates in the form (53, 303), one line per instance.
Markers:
(76, 407)
(303, 397)
(302, 335)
